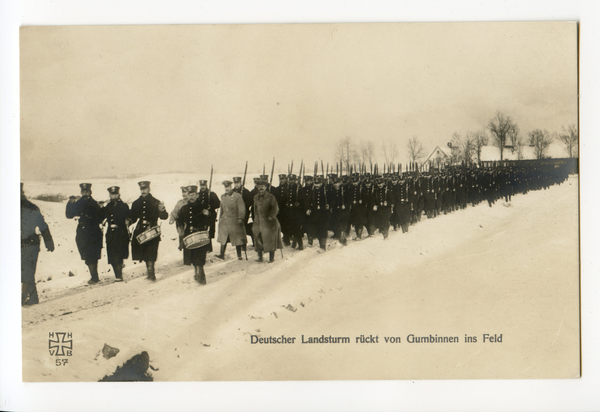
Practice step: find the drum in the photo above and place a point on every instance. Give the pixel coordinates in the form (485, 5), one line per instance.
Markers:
(196, 240)
(148, 235)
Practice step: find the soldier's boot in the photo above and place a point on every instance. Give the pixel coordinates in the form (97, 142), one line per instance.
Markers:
(202, 275)
(286, 240)
(343, 239)
(310, 241)
(93, 268)
(260, 256)
(294, 243)
(405, 228)
(197, 273)
(300, 244)
(222, 254)
(118, 268)
(238, 250)
(271, 257)
(29, 295)
(323, 243)
(150, 269)
(359, 233)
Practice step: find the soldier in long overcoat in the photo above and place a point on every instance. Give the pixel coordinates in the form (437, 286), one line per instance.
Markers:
(116, 213)
(31, 218)
(266, 228)
(89, 234)
(146, 211)
(210, 201)
(231, 221)
(317, 210)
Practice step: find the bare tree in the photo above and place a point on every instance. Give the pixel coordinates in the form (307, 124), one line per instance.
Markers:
(463, 148)
(480, 139)
(367, 152)
(540, 140)
(390, 151)
(415, 149)
(345, 152)
(502, 128)
(570, 138)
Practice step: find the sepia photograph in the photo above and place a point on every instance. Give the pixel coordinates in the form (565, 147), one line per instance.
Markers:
(300, 203)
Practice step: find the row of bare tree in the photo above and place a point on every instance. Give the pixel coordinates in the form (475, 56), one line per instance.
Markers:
(466, 148)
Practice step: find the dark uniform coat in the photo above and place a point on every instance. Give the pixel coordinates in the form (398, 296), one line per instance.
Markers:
(31, 218)
(212, 203)
(117, 236)
(145, 212)
(193, 220)
(89, 233)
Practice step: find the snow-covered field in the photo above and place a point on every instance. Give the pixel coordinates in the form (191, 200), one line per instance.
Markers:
(512, 269)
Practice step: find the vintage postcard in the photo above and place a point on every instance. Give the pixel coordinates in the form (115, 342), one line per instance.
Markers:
(294, 202)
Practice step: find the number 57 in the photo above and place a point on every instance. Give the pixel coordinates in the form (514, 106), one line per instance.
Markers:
(61, 362)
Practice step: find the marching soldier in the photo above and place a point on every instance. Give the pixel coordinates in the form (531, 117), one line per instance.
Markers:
(196, 216)
(383, 203)
(402, 207)
(146, 211)
(175, 212)
(358, 209)
(266, 228)
(340, 209)
(248, 200)
(89, 233)
(290, 212)
(231, 221)
(317, 210)
(211, 202)
(31, 218)
(116, 213)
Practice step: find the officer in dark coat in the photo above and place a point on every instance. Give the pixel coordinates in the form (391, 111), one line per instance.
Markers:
(116, 213)
(382, 205)
(290, 213)
(146, 211)
(248, 201)
(31, 218)
(89, 233)
(195, 217)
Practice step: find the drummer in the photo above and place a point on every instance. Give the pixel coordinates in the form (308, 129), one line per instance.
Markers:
(146, 211)
(195, 217)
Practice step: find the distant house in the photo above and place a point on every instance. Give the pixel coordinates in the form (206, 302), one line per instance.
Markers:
(439, 155)
(556, 150)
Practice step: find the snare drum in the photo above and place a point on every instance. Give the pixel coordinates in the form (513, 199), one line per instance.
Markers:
(196, 240)
(148, 235)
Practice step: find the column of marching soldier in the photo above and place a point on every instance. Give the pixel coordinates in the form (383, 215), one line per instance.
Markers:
(273, 217)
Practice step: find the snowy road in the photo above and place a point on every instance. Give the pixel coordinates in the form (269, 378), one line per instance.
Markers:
(512, 269)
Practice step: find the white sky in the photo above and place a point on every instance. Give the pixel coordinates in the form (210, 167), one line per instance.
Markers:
(100, 101)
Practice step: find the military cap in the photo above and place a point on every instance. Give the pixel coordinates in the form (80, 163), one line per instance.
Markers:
(113, 190)
(262, 182)
(282, 176)
(308, 178)
(264, 177)
(292, 177)
(318, 179)
(85, 186)
(144, 184)
(256, 180)
(203, 182)
(237, 179)
(192, 189)
(355, 178)
(184, 189)
(227, 183)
